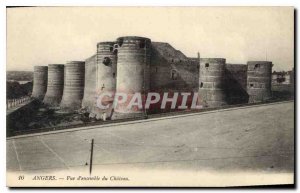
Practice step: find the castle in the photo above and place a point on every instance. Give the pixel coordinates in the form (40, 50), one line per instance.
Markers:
(136, 64)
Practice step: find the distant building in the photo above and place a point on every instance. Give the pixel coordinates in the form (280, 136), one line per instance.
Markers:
(282, 77)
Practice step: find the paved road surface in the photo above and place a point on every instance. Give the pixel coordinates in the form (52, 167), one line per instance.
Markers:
(254, 138)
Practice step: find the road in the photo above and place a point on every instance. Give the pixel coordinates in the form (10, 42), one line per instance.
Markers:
(258, 138)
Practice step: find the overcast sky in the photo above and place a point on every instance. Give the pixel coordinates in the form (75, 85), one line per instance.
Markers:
(44, 35)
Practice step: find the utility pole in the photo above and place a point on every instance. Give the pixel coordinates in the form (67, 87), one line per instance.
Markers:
(198, 56)
(91, 157)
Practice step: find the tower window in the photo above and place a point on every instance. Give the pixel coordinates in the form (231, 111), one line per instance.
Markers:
(147, 45)
(201, 84)
(142, 44)
(114, 75)
(106, 61)
(111, 49)
(206, 65)
(174, 75)
(257, 66)
(251, 85)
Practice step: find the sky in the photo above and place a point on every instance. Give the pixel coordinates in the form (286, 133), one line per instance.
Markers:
(48, 35)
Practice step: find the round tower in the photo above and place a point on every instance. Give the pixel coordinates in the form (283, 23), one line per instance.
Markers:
(259, 77)
(73, 85)
(55, 85)
(89, 97)
(40, 75)
(106, 73)
(133, 69)
(212, 82)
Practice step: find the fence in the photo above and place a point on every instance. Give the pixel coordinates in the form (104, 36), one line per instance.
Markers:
(11, 103)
